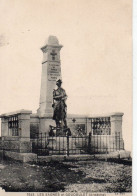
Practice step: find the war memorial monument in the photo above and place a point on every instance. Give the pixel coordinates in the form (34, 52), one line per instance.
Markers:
(51, 131)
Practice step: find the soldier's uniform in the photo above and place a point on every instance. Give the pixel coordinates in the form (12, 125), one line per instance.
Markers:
(59, 106)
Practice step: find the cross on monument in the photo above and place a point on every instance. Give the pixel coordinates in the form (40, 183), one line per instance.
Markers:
(53, 54)
(73, 120)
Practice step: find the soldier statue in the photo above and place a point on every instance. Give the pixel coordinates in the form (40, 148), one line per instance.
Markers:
(59, 106)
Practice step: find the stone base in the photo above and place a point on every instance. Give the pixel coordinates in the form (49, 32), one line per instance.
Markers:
(123, 154)
(118, 155)
(60, 132)
(31, 157)
(23, 157)
(45, 123)
(17, 146)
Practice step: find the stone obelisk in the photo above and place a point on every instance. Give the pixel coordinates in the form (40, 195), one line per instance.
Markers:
(51, 71)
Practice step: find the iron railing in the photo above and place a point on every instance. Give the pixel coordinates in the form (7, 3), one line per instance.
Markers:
(44, 145)
(105, 143)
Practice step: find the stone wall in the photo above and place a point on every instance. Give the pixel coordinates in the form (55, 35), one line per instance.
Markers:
(31, 124)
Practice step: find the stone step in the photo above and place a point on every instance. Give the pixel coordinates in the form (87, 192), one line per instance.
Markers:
(75, 151)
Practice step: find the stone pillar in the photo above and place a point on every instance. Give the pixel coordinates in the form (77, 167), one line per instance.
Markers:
(88, 126)
(51, 71)
(19, 143)
(24, 125)
(24, 129)
(4, 127)
(116, 123)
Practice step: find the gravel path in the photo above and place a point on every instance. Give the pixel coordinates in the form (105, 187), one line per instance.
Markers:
(90, 176)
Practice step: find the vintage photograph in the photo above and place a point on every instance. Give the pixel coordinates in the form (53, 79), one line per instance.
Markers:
(66, 97)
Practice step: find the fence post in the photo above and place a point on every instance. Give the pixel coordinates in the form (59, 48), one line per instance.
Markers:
(123, 146)
(37, 136)
(89, 142)
(119, 140)
(2, 145)
(116, 140)
(67, 144)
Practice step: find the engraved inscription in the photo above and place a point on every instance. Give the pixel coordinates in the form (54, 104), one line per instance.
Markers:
(54, 71)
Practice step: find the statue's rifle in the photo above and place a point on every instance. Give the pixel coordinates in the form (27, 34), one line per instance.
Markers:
(53, 98)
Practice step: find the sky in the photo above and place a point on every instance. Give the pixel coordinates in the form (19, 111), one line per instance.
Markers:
(96, 58)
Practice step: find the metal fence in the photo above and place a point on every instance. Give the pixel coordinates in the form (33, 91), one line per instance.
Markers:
(105, 143)
(59, 145)
(44, 144)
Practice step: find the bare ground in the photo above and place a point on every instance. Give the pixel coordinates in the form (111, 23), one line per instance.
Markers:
(90, 176)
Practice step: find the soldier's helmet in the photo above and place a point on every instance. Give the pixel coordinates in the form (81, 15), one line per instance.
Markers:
(59, 81)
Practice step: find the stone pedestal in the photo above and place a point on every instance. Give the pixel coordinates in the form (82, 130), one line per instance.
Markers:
(88, 125)
(45, 122)
(116, 123)
(21, 141)
(24, 119)
(4, 126)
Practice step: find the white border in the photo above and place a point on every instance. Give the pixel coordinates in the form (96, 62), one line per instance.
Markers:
(134, 97)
